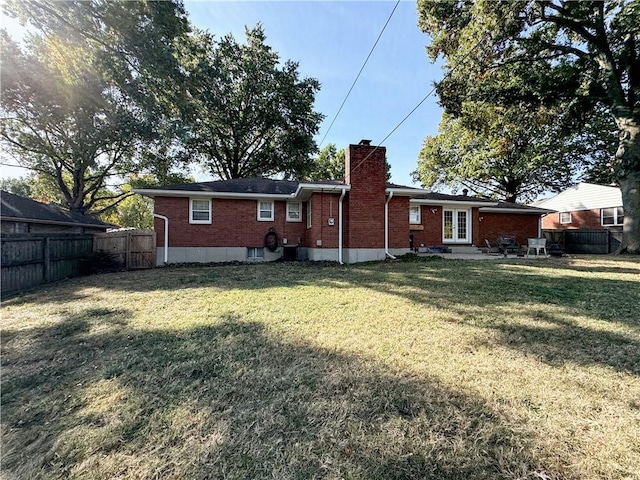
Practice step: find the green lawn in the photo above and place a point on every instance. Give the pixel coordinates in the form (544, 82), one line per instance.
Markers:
(435, 368)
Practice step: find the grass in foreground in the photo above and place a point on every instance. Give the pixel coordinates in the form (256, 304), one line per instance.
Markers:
(434, 369)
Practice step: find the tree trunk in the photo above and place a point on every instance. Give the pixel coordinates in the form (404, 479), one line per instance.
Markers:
(628, 168)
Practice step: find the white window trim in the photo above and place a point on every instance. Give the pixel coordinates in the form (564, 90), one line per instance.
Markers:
(308, 213)
(419, 221)
(616, 222)
(255, 250)
(272, 211)
(560, 218)
(299, 219)
(201, 222)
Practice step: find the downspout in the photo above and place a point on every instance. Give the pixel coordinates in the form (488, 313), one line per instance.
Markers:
(540, 224)
(386, 227)
(166, 236)
(344, 190)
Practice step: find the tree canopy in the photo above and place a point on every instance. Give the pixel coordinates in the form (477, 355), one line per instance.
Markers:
(578, 56)
(509, 153)
(88, 91)
(249, 114)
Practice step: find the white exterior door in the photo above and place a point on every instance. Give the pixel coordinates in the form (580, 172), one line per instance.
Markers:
(456, 225)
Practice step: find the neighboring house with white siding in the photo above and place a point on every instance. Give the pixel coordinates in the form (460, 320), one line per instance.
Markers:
(584, 206)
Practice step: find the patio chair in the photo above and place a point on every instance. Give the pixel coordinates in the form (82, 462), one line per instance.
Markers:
(538, 245)
(492, 250)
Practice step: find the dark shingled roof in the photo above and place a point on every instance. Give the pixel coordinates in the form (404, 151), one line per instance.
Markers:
(239, 185)
(466, 198)
(443, 197)
(15, 206)
(246, 185)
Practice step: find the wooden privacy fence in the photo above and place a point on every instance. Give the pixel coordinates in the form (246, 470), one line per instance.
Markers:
(129, 249)
(32, 260)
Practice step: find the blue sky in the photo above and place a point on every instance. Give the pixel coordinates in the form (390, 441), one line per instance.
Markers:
(330, 41)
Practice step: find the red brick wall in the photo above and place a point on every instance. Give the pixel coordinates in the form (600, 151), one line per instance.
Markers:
(490, 227)
(234, 224)
(494, 225)
(365, 222)
(432, 223)
(399, 222)
(323, 207)
(579, 219)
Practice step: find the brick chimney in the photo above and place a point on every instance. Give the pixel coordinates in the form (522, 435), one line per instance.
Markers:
(365, 172)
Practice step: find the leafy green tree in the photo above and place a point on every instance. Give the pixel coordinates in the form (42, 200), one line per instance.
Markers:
(18, 186)
(510, 153)
(89, 91)
(134, 211)
(249, 115)
(573, 55)
(329, 165)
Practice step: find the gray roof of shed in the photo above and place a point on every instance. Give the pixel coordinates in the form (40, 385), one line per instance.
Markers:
(21, 208)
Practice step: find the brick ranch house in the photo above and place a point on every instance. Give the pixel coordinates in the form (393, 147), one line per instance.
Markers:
(362, 218)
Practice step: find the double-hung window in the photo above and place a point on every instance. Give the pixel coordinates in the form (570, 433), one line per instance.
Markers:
(265, 210)
(294, 212)
(612, 216)
(200, 210)
(565, 217)
(309, 214)
(414, 215)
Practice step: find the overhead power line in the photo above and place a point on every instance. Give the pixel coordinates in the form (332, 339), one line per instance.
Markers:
(358, 76)
(466, 55)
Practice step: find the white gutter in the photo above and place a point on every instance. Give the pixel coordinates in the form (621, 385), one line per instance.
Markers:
(386, 226)
(166, 236)
(404, 192)
(344, 191)
(319, 187)
(461, 203)
(523, 211)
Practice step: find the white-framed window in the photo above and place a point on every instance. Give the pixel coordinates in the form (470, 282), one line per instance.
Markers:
(265, 210)
(294, 212)
(565, 217)
(255, 253)
(200, 210)
(309, 213)
(612, 216)
(414, 215)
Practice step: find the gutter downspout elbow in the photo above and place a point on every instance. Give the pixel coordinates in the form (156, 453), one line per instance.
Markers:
(344, 191)
(386, 227)
(166, 236)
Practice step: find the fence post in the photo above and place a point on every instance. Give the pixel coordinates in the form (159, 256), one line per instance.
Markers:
(46, 260)
(128, 251)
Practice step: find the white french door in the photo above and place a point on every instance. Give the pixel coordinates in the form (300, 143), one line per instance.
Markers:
(456, 226)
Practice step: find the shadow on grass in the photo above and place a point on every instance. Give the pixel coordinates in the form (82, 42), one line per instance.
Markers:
(230, 400)
(471, 290)
(482, 296)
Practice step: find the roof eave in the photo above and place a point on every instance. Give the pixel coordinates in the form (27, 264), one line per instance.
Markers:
(532, 211)
(406, 192)
(428, 201)
(55, 222)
